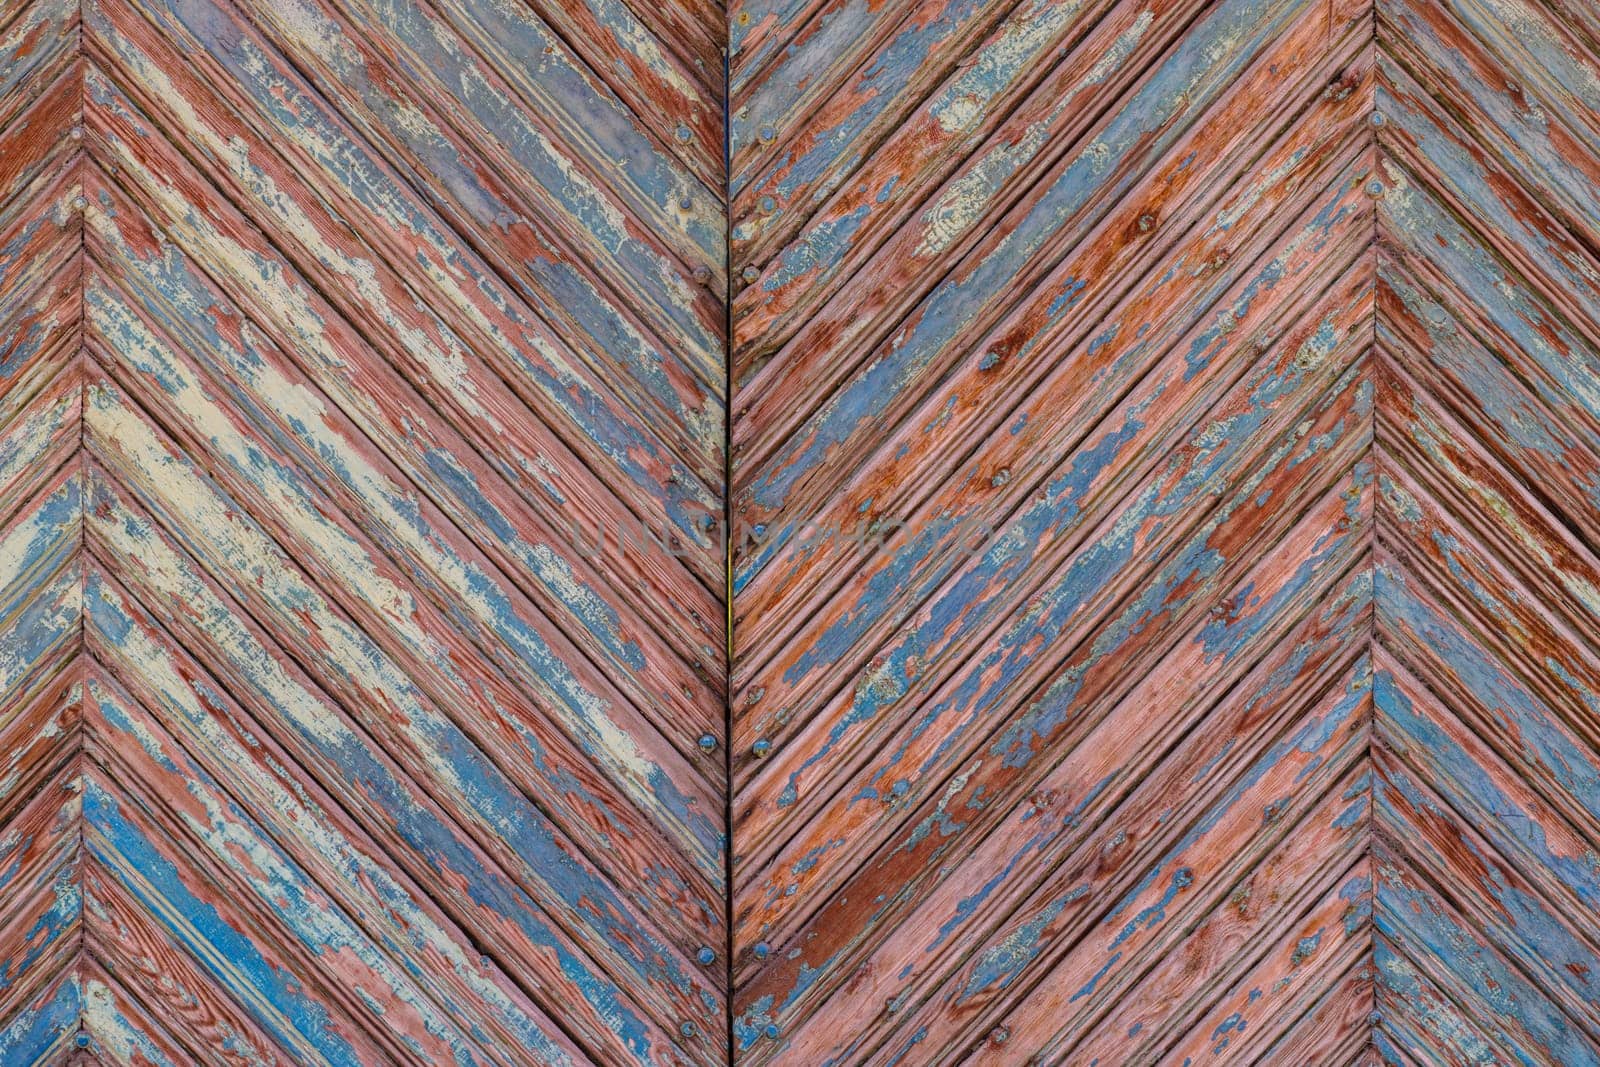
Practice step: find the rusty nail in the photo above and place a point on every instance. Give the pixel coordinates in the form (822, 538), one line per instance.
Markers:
(683, 133)
(750, 274)
(761, 748)
(707, 743)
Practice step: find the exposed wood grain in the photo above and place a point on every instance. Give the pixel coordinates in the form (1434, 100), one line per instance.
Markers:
(1488, 690)
(356, 755)
(41, 523)
(799, 531)
(1081, 275)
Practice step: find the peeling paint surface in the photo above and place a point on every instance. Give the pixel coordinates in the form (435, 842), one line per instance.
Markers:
(324, 326)
(815, 532)
(1260, 338)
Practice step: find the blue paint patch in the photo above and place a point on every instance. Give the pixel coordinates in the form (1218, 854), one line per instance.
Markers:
(998, 966)
(1198, 65)
(1088, 986)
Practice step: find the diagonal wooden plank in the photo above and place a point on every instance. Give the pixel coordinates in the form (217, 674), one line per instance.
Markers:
(1149, 297)
(1038, 531)
(1489, 685)
(382, 768)
(972, 295)
(41, 562)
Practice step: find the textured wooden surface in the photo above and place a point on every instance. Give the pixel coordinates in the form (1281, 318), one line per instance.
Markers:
(325, 743)
(1487, 665)
(1262, 334)
(1159, 446)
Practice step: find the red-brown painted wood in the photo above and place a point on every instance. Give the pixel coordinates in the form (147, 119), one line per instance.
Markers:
(1148, 456)
(332, 335)
(1257, 343)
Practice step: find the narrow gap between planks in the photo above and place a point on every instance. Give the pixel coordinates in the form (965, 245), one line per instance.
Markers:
(727, 533)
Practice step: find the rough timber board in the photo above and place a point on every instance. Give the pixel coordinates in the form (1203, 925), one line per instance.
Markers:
(1263, 335)
(1205, 395)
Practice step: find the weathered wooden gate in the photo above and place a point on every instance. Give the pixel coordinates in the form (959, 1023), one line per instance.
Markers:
(826, 532)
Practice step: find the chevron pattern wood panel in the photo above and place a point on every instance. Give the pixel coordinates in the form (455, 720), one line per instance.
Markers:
(327, 330)
(1097, 501)
(1487, 663)
(1210, 672)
